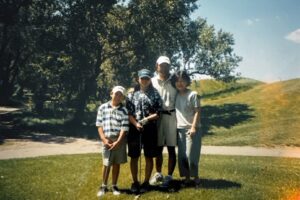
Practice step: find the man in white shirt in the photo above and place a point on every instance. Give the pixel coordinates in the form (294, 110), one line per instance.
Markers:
(167, 135)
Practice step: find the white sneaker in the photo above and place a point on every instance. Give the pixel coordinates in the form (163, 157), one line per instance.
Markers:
(115, 190)
(156, 178)
(167, 181)
(102, 191)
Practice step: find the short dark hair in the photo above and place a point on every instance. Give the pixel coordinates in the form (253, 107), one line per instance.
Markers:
(181, 74)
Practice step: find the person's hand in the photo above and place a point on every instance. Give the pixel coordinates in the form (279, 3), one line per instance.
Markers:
(107, 143)
(139, 126)
(192, 131)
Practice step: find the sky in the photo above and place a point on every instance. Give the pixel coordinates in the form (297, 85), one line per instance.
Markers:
(266, 34)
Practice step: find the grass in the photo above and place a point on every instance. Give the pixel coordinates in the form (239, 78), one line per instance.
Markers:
(257, 115)
(78, 177)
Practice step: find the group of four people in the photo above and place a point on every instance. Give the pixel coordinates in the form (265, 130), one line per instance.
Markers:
(160, 111)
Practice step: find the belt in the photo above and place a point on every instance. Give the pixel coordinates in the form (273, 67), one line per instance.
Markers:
(167, 112)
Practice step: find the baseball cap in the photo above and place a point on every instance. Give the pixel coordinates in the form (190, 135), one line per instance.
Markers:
(144, 73)
(163, 59)
(118, 89)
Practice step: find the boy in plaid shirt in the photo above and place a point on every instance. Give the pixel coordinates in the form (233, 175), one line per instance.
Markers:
(112, 122)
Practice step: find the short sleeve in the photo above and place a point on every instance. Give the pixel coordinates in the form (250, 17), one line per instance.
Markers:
(195, 100)
(125, 120)
(99, 119)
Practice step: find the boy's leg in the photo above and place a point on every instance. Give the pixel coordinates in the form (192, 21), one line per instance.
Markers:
(115, 173)
(105, 174)
(115, 176)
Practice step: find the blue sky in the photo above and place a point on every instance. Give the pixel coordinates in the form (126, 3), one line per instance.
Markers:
(266, 33)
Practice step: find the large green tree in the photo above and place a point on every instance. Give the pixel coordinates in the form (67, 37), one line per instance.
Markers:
(70, 52)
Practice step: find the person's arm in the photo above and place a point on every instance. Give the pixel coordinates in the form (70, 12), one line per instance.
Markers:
(106, 142)
(195, 123)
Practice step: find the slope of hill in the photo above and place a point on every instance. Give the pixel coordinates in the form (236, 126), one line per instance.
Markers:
(258, 114)
(213, 89)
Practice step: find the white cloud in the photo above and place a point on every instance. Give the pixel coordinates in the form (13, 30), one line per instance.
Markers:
(277, 17)
(250, 22)
(294, 36)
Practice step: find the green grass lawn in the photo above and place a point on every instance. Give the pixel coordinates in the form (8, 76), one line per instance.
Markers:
(250, 113)
(78, 177)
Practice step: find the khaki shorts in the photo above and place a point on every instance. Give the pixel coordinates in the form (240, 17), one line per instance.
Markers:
(117, 156)
(167, 133)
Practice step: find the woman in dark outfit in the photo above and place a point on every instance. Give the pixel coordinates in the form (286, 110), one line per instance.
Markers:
(143, 105)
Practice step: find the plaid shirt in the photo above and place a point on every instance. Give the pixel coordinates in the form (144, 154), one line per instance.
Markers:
(112, 120)
(141, 104)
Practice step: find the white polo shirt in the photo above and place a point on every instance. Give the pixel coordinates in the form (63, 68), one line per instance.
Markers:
(166, 91)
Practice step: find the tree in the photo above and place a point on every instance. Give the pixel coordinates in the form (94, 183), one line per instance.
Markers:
(14, 45)
(136, 34)
(207, 52)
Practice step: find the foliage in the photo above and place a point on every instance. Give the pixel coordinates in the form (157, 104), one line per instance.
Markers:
(207, 52)
(63, 55)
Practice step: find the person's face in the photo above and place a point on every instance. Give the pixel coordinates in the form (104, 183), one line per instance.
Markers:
(117, 97)
(163, 68)
(181, 84)
(144, 82)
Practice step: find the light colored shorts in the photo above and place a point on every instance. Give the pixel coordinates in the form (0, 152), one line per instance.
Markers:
(167, 133)
(117, 156)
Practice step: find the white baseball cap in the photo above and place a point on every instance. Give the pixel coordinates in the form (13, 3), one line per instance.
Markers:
(163, 59)
(118, 89)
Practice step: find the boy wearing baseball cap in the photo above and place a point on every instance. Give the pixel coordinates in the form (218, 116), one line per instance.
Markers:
(112, 123)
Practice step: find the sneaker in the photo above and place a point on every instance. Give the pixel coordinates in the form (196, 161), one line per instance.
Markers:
(102, 191)
(166, 181)
(115, 190)
(197, 182)
(156, 178)
(145, 187)
(135, 187)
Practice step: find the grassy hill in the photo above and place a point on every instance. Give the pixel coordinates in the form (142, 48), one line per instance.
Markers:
(249, 112)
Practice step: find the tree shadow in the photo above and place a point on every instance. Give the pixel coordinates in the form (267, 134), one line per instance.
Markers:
(13, 126)
(50, 128)
(226, 115)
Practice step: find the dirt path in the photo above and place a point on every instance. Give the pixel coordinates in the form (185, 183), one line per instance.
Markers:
(27, 148)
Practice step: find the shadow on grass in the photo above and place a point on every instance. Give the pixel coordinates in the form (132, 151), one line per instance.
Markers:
(177, 185)
(43, 128)
(226, 115)
(50, 128)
